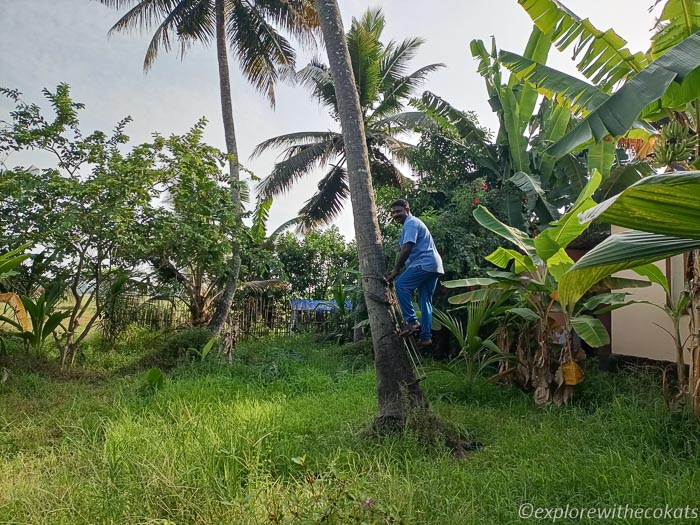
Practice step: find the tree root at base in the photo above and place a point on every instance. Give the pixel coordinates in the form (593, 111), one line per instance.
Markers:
(428, 429)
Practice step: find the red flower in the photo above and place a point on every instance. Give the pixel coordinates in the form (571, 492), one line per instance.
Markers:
(486, 187)
(476, 201)
(526, 198)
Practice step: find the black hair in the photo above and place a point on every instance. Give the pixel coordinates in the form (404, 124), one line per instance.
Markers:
(403, 203)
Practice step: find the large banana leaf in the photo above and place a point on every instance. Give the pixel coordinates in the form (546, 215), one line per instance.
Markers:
(537, 50)
(568, 227)
(605, 58)
(567, 90)
(623, 251)
(577, 95)
(666, 204)
(517, 237)
(591, 330)
(617, 114)
(678, 20)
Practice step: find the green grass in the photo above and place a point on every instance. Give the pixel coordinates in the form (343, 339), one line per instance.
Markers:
(280, 436)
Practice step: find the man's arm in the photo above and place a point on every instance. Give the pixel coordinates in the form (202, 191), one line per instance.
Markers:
(403, 256)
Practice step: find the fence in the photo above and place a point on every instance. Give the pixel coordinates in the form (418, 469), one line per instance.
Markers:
(253, 315)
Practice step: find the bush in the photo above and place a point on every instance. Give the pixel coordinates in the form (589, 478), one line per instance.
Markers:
(177, 347)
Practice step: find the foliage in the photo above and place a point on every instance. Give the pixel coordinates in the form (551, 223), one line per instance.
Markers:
(178, 346)
(311, 264)
(155, 379)
(82, 213)
(188, 238)
(662, 212)
(384, 87)
(665, 213)
(44, 316)
(536, 270)
(662, 83)
(483, 307)
(449, 185)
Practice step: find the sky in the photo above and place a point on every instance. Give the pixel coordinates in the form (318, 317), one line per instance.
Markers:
(46, 42)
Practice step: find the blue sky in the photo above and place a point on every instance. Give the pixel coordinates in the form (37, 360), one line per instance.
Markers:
(44, 42)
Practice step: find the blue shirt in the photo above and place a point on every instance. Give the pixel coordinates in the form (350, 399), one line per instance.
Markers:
(423, 254)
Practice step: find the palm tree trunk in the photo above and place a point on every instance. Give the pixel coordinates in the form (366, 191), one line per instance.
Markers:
(223, 305)
(398, 390)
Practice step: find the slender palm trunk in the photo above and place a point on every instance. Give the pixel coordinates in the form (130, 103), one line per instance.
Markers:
(397, 387)
(223, 305)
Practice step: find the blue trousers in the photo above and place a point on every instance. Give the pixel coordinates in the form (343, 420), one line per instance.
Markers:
(425, 282)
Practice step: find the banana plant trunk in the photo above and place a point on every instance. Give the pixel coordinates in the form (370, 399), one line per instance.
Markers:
(398, 390)
(694, 289)
(223, 305)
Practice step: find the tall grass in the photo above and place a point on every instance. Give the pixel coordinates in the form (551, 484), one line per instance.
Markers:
(279, 437)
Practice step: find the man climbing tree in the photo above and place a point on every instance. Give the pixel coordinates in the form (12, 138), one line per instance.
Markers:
(398, 391)
(423, 267)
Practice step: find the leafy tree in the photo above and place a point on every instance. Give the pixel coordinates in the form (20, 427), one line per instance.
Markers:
(384, 88)
(82, 213)
(188, 237)
(311, 264)
(262, 52)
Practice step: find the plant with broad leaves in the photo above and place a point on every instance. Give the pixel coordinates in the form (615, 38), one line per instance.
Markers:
(662, 213)
(44, 315)
(536, 269)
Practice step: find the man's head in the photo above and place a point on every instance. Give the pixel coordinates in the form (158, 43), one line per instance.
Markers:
(400, 210)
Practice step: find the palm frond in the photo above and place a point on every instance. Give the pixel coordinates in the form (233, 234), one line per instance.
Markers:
(328, 202)
(264, 55)
(396, 57)
(297, 17)
(284, 227)
(385, 172)
(395, 95)
(317, 77)
(301, 138)
(446, 115)
(372, 21)
(303, 159)
(365, 57)
(406, 121)
(183, 20)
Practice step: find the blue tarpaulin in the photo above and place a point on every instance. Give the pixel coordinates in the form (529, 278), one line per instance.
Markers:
(315, 305)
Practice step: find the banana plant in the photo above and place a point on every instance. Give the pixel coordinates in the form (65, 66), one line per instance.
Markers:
(657, 84)
(663, 213)
(535, 269)
(44, 317)
(542, 184)
(8, 262)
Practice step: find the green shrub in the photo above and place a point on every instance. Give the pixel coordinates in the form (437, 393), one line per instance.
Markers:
(178, 346)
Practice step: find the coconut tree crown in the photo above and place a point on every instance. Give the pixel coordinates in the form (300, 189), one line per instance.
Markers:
(263, 54)
(385, 88)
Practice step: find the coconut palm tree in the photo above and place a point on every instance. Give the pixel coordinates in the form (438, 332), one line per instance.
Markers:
(264, 55)
(397, 388)
(384, 87)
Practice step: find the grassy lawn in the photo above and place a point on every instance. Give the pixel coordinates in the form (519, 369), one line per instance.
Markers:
(280, 437)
